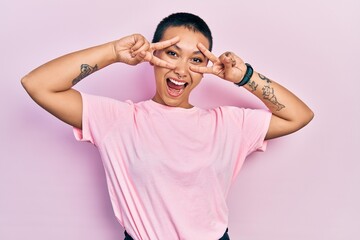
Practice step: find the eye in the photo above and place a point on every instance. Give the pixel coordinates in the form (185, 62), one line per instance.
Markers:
(197, 60)
(171, 53)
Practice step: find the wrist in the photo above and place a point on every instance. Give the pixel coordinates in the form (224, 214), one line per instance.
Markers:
(112, 52)
(247, 76)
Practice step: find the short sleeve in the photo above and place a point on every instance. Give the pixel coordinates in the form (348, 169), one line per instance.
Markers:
(255, 126)
(99, 114)
(251, 125)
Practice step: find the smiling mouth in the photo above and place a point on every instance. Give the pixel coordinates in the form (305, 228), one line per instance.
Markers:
(175, 87)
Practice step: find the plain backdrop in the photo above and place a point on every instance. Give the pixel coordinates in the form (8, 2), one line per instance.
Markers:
(305, 186)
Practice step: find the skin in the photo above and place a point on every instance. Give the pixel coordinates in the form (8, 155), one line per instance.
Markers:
(51, 84)
(289, 113)
(182, 54)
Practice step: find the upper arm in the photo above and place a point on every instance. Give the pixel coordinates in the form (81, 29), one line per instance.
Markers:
(66, 105)
(280, 127)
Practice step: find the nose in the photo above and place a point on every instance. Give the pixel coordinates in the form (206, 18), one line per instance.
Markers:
(181, 69)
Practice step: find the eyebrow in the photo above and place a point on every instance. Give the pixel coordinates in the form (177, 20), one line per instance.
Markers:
(195, 52)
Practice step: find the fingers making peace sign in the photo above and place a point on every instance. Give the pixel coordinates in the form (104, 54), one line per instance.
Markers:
(228, 66)
(135, 49)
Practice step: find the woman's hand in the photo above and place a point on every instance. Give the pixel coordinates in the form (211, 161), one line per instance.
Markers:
(135, 49)
(228, 66)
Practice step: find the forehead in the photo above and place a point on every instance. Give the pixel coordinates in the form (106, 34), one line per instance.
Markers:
(188, 37)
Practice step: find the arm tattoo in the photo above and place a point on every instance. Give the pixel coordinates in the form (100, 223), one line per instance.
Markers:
(253, 85)
(268, 94)
(264, 78)
(85, 70)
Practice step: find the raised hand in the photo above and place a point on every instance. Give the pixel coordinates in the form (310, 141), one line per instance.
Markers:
(135, 49)
(228, 66)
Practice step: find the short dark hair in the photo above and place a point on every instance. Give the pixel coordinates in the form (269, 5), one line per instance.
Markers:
(182, 19)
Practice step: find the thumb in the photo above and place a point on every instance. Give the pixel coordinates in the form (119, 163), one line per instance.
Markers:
(227, 62)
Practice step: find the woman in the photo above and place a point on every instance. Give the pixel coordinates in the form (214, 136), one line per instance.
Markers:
(169, 165)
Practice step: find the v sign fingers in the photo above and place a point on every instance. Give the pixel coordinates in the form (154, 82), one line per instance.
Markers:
(125, 47)
(228, 66)
(151, 47)
(164, 44)
(233, 67)
(227, 60)
(207, 53)
(210, 56)
(149, 57)
(148, 54)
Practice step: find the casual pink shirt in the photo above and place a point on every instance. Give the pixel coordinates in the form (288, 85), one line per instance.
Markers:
(169, 169)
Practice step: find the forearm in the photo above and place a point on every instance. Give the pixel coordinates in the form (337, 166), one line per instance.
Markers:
(280, 101)
(289, 113)
(64, 72)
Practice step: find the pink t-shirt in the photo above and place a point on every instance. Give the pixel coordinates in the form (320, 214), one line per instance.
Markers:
(169, 169)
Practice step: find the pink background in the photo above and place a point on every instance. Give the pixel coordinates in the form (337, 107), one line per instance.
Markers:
(306, 186)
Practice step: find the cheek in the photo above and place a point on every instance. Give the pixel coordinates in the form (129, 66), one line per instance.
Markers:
(163, 56)
(158, 72)
(169, 59)
(196, 77)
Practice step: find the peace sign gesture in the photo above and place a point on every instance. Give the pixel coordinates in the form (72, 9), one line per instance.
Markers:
(228, 66)
(135, 49)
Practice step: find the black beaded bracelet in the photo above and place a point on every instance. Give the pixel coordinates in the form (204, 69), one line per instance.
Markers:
(248, 74)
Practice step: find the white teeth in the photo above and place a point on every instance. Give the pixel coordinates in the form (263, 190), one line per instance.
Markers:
(176, 82)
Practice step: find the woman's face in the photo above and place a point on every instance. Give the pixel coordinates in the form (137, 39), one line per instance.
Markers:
(173, 86)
